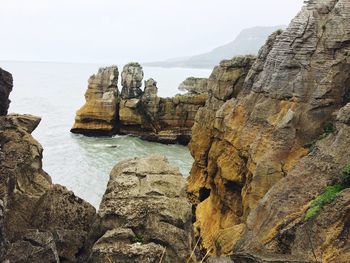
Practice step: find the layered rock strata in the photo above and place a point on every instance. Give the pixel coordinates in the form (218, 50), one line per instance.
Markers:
(257, 164)
(194, 85)
(99, 114)
(144, 214)
(136, 112)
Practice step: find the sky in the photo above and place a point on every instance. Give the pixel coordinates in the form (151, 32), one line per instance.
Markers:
(115, 31)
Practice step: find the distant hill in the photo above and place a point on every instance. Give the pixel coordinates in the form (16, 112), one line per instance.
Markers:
(247, 42)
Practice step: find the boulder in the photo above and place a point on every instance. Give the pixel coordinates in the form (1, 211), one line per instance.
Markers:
(144, 212)
(99, 114)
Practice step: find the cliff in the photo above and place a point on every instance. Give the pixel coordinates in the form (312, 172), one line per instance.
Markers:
(270, 152)
(135, 112)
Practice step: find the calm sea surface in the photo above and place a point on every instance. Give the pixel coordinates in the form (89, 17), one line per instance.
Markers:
(55, 91)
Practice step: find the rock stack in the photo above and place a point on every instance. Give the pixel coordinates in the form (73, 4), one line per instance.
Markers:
(132, 76)
(99, 114)
(136, 112)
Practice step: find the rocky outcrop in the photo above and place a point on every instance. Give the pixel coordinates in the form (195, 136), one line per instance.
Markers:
(257, 164)
(132, 76)
(39, 221)
(194, 85)
(6, 84)
(144, 214)
(99, 114)
(136, 112)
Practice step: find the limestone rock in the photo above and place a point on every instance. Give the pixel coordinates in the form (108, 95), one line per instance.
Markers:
(39, 222)
(132, 76)
(6, 84)
(252, 171)
(99, 113)
(194, 85)
(143, 211)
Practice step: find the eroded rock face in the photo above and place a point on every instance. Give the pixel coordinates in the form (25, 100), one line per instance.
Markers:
(6, 84)
(253, 159)
(194, 85)
(132, 76)
(39, 221)
(143, 211)
(99, 114)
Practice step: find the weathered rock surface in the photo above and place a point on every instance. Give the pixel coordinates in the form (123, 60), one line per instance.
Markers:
(6, 84)
(144, 211)
(132, 76)
(39, 221)
(194, 85)
(253, 178)
(99, 114)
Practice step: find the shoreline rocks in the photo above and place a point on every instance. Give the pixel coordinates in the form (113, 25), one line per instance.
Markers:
(135, 112)
(194, 85)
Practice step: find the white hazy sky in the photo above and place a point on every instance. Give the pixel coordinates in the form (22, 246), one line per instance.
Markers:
(115, 31)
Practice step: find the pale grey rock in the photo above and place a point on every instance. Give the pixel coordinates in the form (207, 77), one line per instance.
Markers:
(132, 76)
(194, 85)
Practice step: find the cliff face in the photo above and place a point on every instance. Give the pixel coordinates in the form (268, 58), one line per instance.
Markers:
(253, 176)
(135, 112)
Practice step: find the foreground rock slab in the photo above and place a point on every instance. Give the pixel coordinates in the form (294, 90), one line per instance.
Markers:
(143, 214)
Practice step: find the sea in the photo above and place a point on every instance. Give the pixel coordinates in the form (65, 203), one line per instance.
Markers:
(55, 91)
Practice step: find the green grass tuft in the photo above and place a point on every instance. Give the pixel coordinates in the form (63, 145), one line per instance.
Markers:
(328, 196)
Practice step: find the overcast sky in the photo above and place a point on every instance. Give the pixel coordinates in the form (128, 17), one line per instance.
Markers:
(115, 31)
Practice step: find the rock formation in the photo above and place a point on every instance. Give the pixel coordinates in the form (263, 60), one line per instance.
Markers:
(194, 85)
(39, 221)
(257, 163)
(144, 114)
(99, 114)
(143, 214)
(132, 76)
(5, 89)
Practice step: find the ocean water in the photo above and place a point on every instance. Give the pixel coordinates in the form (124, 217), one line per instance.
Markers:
(55, 91)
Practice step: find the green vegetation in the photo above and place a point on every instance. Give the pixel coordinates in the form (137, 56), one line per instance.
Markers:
(329, 194)
(139, 239)
(279, 31)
